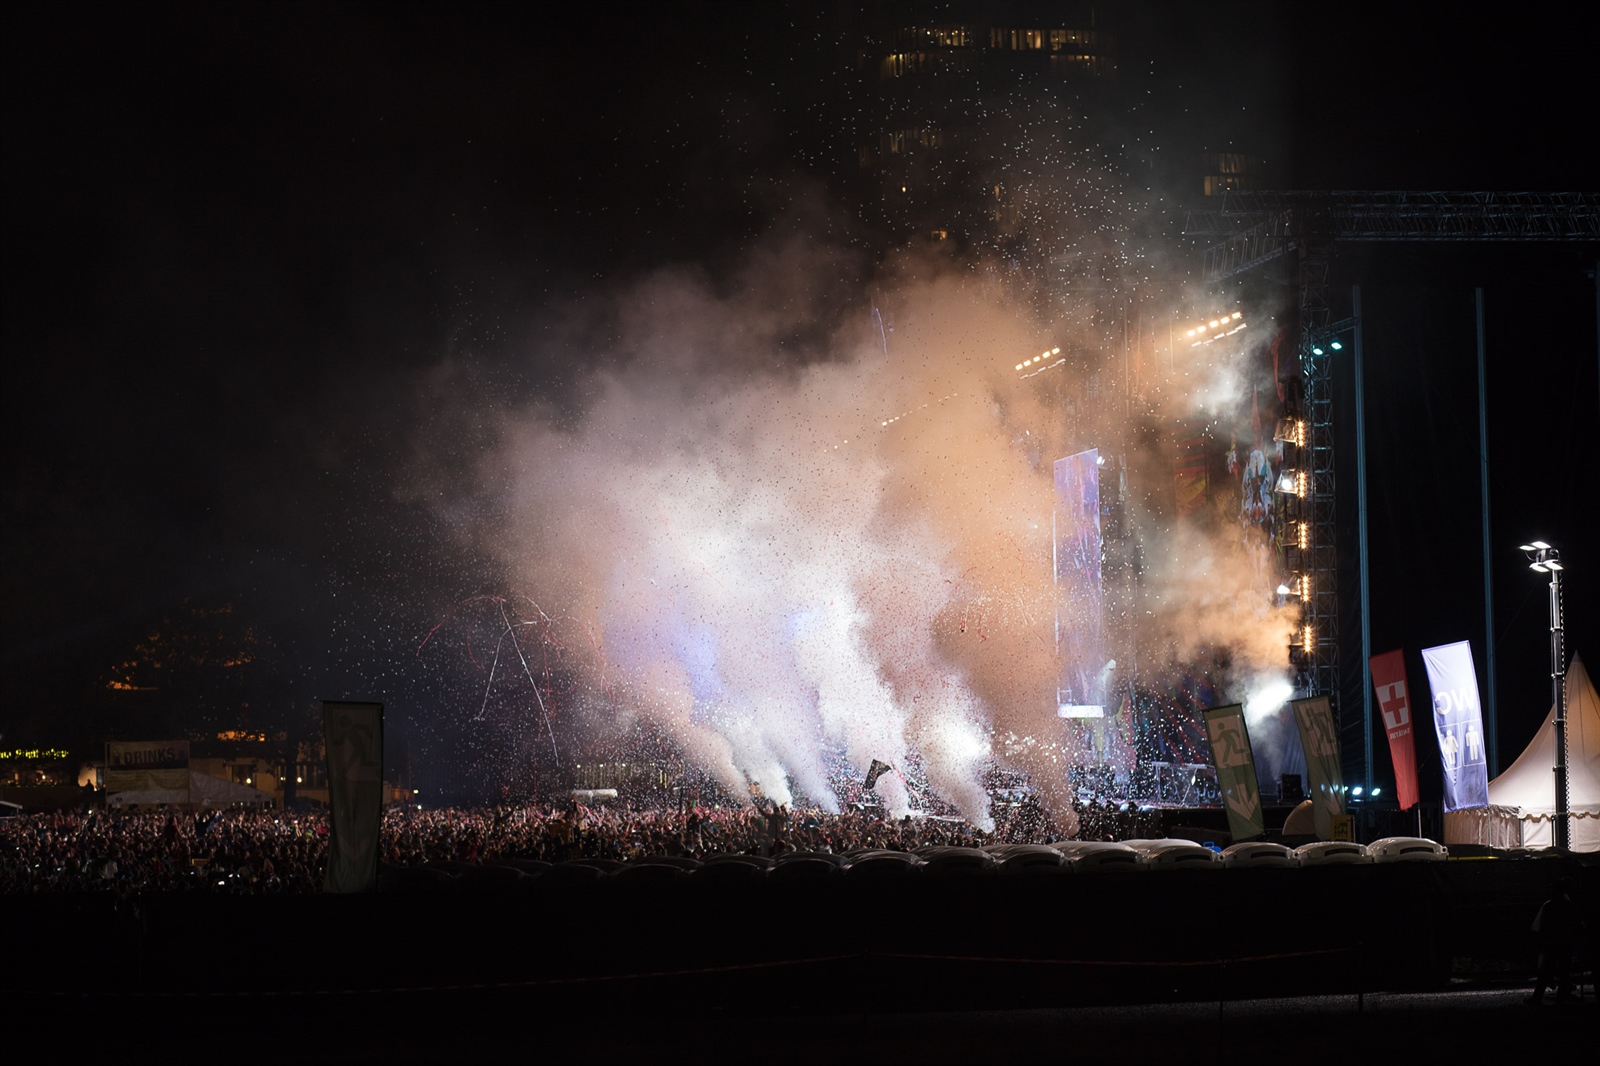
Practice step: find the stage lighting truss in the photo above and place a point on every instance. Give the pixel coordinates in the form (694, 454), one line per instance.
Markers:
(1032, 366)
(1290, 431)
(1215, 329)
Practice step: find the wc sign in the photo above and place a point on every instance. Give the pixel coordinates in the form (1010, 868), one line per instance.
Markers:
(1458, 722)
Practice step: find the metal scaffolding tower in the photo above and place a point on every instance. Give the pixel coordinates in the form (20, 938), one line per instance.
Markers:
(1252, 229)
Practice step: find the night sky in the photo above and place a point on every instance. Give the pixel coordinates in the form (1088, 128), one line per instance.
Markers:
(242, 242)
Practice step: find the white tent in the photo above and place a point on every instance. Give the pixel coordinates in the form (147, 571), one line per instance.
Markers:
(1522, 800)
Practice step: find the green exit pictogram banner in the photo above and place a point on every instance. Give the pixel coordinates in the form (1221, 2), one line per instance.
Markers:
(1236, 770)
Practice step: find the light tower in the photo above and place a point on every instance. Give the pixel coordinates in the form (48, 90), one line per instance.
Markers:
(1544, 559)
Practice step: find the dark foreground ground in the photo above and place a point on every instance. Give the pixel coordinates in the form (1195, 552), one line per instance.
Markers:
(802, 1022)
(1347, 964)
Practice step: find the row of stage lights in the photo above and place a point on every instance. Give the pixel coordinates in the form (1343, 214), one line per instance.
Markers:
(885, 423)
(914, 410)
(1026, 363)
(1226, 326)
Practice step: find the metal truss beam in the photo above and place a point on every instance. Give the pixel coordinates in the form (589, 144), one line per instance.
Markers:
(1257, 227)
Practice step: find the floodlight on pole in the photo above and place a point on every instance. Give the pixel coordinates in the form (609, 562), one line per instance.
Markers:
(1543, 559)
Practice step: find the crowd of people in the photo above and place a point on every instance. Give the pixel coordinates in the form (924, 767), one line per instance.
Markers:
(253, 850)
(237, 850)
(270, 851)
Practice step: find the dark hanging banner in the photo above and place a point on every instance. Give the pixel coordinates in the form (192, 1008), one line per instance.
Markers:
(352, 734)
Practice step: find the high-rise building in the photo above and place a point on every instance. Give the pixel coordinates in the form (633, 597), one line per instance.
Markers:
(982, 124)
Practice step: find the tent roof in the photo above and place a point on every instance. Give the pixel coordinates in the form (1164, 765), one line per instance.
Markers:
(1527, 782)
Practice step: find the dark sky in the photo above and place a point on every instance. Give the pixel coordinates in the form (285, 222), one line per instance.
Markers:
(235, 235)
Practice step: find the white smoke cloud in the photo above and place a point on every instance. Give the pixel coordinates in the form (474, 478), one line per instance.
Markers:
(776, 561)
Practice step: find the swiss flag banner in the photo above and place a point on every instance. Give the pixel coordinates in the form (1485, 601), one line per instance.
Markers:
(1394, 701)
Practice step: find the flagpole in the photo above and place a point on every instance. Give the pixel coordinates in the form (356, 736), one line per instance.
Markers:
(1492, 726)
(1361, 511)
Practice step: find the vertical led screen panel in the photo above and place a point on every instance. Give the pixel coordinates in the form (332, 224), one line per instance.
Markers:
(1080, 603)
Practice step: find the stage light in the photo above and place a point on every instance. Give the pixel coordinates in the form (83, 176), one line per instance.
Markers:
(1376, 790)
(1283, 590)
(1055, 351)
(1542, 559)
(1289, 483)
(1238, 314)
(1017, 367)
(1315, 350)
(1356, 791)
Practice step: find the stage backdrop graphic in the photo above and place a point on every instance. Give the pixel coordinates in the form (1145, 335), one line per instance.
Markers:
(1236, 770)
(1394, 702)
(353, 735)
(1319, 739)
(1458, 721)
(147, 766)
